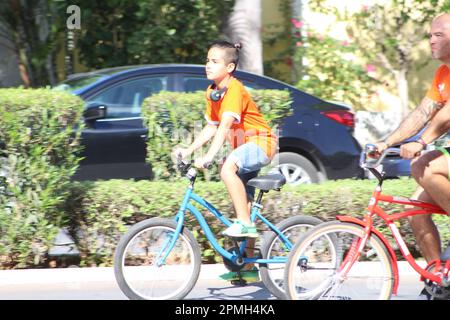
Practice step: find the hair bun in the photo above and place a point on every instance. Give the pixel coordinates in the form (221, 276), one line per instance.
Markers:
(238, 46)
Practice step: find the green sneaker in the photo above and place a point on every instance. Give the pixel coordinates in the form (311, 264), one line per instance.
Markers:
(251, 275)
(239, 229)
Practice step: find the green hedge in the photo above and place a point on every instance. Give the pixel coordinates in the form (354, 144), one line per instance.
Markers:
(38, 147)
(37, 158)
(101, 211)
(175, 119)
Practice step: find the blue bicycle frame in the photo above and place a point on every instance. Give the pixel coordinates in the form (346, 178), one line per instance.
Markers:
(255, 213)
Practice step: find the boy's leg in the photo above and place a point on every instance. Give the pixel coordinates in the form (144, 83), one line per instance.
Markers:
(236, 189)
(243, 164)
(245, 160)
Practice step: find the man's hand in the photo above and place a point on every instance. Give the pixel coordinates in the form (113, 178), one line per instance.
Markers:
(202, 162)
(411, 150)
(380, 147)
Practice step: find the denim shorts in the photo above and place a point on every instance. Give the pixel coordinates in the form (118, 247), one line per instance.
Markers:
(445, 152)
(249, 158)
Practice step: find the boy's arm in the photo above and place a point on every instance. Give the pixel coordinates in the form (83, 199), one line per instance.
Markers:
(205, 135)
(219, 139)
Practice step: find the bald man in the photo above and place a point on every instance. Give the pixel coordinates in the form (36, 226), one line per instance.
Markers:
(431, 170)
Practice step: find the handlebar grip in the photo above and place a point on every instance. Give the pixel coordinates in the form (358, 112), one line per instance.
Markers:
(371, 148)
(206, 165)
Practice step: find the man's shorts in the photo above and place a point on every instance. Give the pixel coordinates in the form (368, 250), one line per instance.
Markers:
(249, 158)
(445, 151)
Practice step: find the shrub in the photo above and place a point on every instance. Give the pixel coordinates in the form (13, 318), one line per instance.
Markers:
(102, 211)
(38, 156)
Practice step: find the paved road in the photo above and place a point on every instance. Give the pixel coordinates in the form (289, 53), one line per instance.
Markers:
(100, 284)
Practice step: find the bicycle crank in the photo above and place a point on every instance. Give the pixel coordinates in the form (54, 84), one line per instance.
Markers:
(435, 290)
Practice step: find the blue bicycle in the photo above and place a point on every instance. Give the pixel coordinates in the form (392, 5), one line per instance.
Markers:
(160, 259)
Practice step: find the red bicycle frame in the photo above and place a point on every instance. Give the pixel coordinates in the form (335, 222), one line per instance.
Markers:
(367, 223)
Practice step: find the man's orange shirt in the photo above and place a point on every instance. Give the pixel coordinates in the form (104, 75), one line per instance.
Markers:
(249, 124)
(440, 88)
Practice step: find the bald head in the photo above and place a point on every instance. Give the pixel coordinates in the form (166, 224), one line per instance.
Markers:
(440, 38)
(443, 19)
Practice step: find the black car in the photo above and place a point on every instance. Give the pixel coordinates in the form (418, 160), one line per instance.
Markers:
(316, 142)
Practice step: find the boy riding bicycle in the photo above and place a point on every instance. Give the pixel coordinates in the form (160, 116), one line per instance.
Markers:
(231, 114)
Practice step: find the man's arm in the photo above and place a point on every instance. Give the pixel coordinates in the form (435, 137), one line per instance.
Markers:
(438, 125)
(414, 122)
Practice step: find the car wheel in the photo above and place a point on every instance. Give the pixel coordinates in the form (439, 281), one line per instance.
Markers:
(295, 168)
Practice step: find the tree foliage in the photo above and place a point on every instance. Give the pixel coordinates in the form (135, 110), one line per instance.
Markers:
(388, 33)
(113, 33)
(28, 30)
(122, 32)
(330, 68)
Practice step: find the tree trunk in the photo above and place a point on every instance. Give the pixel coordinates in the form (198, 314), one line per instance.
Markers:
(244, 26)
(402, 88)
(20, 44)
(297, 13)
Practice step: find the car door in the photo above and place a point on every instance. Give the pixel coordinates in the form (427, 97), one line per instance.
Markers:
(115, 147)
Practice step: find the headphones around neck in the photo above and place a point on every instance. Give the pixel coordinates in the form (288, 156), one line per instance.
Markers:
(217, 94)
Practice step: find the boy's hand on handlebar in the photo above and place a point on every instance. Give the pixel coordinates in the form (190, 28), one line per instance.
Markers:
(202, 162)
(180, 153)
(410, 150)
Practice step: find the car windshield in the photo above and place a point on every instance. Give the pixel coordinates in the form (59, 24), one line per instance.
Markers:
(77, 83)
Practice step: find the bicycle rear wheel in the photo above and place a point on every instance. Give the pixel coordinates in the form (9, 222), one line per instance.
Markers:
(315, 264)
(140, 269)
(272, 274)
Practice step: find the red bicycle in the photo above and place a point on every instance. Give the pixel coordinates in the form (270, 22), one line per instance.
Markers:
(351, 259)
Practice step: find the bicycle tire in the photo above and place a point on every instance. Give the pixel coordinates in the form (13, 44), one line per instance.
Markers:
(371, 276)
(136, 256)
(272, 274)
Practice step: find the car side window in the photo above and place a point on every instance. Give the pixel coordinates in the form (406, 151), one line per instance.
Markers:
(125, 99)
(251, 85)
(192, 83)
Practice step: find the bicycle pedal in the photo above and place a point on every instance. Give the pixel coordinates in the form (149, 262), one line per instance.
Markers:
(239, 282)
(238, 238)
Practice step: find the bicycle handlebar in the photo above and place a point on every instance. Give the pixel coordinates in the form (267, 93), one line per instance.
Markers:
(183, 166)
(186, 168)
(372, 149)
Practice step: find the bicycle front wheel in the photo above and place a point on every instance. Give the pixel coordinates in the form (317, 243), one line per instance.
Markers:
(275, 248)
(145, 268)
(317, 263)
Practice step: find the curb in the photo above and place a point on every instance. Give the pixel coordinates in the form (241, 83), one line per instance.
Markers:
(106, 274)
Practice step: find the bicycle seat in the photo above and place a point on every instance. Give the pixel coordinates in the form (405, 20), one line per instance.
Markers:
(268, 182)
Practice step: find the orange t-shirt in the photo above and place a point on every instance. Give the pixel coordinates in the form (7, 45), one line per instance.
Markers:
(440, 88)
(249, 124)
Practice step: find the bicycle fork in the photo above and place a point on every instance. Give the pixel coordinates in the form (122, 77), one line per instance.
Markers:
(352, 256)
(169, 243)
